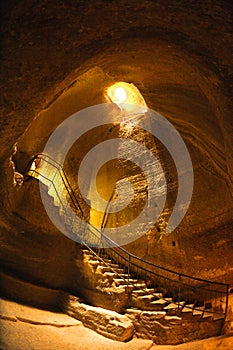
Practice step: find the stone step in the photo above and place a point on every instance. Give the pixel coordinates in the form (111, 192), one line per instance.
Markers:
(110, 276)
(218, 316)
(127, 288)
(91, 257)
(171, 321)
(105, 269)
(119, 271)
(180, 303)
(119, 281)
(95, 263)
(139, 285)
(192, 311)
(150, 290)
(198, 310)
(187, 310)
(146, 298)
(138, 292)
(152, 315)
(87, 252)
(133, 312)
(171, 306)
(158, 295)
(115, 266)
(208, 313)
(103, 283)
(144, 295)
(124, 275)
(158, 304)
(144, 291)
(197, 313)
(108, 261)
(169, 300)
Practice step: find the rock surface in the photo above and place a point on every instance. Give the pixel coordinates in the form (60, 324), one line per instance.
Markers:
(12, 311)
(164, 329)
(27, 328)
(108, 323)
(64, 332)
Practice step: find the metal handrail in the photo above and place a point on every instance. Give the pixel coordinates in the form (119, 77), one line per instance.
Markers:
(132, 262)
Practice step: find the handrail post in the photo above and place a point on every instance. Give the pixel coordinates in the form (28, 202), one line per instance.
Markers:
(227, 297)
(179, 292)
(129, 268)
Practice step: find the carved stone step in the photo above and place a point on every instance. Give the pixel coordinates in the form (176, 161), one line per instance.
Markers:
(151, 316)
(169, 300)
(139, 285)
(158, 295)
(197, 312)
(146, 298)
(158, 304)
(128, 288)
(218, 316)
(208, 313)
(133, 312)
(108, 261)
(124, 275)
(114, 265)
(103, 269)
(119, 271)
(171, 306)
(150, 290)
(138, 292)
(171, 321)
(93, 260)
(187, 311)
(87, 252)
(119, 281)
(110, 276)
(91, 257)
(144, 291)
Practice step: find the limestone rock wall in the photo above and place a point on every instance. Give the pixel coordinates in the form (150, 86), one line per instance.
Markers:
(108, 323)
(171, 329)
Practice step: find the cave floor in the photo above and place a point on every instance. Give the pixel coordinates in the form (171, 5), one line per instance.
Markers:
(26, 328)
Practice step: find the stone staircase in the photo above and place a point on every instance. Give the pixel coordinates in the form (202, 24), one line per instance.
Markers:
(156, 312)
(110, 274)
(154, 315)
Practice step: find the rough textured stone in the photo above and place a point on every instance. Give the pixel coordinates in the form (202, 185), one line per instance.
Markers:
(108, 323)
(164, 329)
(10, 309)
(228, 327)
(42, 329)
(17, 289)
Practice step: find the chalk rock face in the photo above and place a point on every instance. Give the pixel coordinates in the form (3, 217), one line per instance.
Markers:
(108, 323)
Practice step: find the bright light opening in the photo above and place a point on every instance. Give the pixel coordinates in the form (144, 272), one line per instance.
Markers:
(120, 94)
(127, 97)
